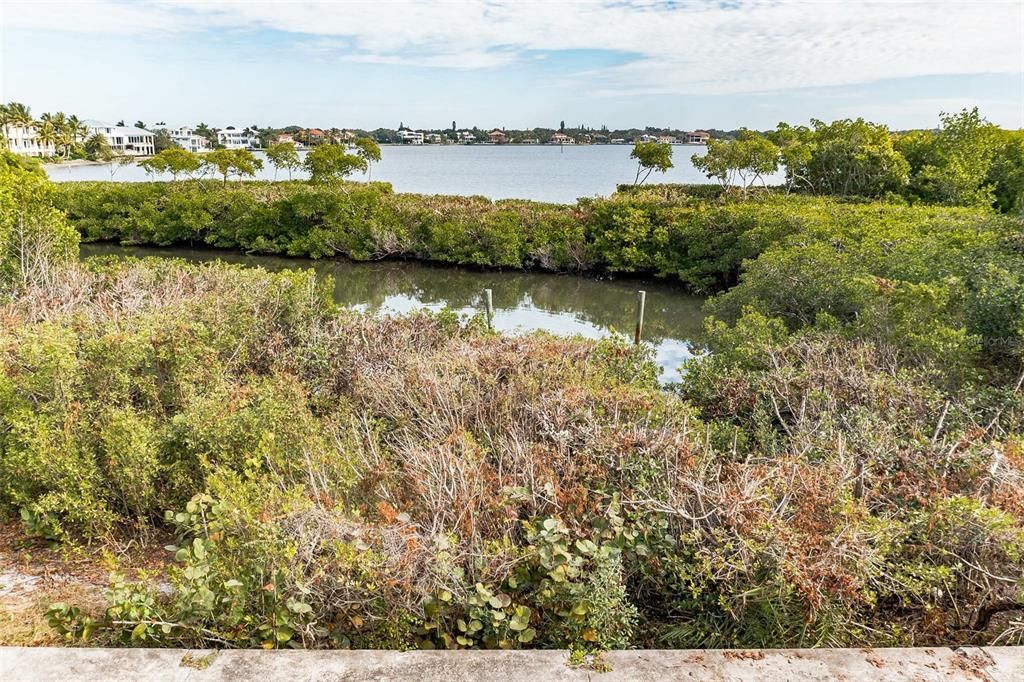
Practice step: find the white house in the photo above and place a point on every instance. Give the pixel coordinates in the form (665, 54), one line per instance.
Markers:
(434, 138)
(698, 137)
(24, 140)
(410, 137)
(186, 138)
(126, 140)
(562, 138)
(231, 138)
(466, 137)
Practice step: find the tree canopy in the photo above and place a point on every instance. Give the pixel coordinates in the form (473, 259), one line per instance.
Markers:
(33, 234)
(650, 157)
(333, 163)
(850, 158)
(951, 166)
(740, 162)
(284, 155)
(228, 162)
(174, 161)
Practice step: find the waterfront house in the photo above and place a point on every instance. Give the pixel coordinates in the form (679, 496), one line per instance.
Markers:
(315, 136)
(698, 137)
(231, 138)
(529, 140)
(410, 137)
(667, 139)
(24, 140)
(466, 137)
(434, 138)
(562, 138)
(186, 138)
(124, 140)
(292, 139)
(497, 136)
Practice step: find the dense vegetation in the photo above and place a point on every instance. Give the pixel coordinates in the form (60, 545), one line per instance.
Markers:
(844, 467)
(671, 234)
(966, 161)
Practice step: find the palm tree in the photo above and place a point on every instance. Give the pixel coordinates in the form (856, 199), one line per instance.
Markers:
(46, 133)
(207, 132)
(78, 129)
(57, 127)
(13, 115)
(20, 115)
(66, 140)
(5, 120)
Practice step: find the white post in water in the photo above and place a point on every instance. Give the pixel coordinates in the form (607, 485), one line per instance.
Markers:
(641, 298)
(489, 303)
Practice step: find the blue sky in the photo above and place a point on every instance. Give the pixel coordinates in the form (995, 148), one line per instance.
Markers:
(686, 64)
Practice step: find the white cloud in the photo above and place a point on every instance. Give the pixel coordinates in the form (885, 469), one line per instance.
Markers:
(680, 48)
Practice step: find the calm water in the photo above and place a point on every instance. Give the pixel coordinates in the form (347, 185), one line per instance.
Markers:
(523, 301)
(542, 172)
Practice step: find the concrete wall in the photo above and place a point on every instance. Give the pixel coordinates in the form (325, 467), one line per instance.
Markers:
(998, 664)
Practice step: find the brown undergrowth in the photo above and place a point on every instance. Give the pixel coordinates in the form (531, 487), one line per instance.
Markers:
(331, 479)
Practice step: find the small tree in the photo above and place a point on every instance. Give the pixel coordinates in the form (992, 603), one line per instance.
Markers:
(283, 155)
(650, 157)
(794, 154)
(368, 150)
(332, 163)
(174, 161)
(740, 162)
(951, 166)
(853, 158)
(119, 161)
(227, 162)
(34, 236)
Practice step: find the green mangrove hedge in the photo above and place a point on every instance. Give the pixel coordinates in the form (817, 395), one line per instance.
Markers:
(697, 240)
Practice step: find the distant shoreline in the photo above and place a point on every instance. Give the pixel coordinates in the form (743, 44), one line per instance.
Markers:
(74, 162)
(86, 162)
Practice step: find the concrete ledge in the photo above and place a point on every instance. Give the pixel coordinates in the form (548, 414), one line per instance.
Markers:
(997, 664)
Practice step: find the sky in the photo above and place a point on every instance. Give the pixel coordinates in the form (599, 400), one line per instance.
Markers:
(684, 64)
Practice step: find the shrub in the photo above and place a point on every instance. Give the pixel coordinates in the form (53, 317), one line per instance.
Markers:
(699, 242)
(35, 238)
(841, 468)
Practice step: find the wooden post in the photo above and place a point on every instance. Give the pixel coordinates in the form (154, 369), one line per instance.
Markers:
(641, 298)
(489, 303)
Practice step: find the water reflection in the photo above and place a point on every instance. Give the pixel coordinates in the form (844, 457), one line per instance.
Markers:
(523, 301)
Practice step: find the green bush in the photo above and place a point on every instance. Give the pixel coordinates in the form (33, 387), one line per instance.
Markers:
(35, 238)
(699, 242)
(841, 468)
